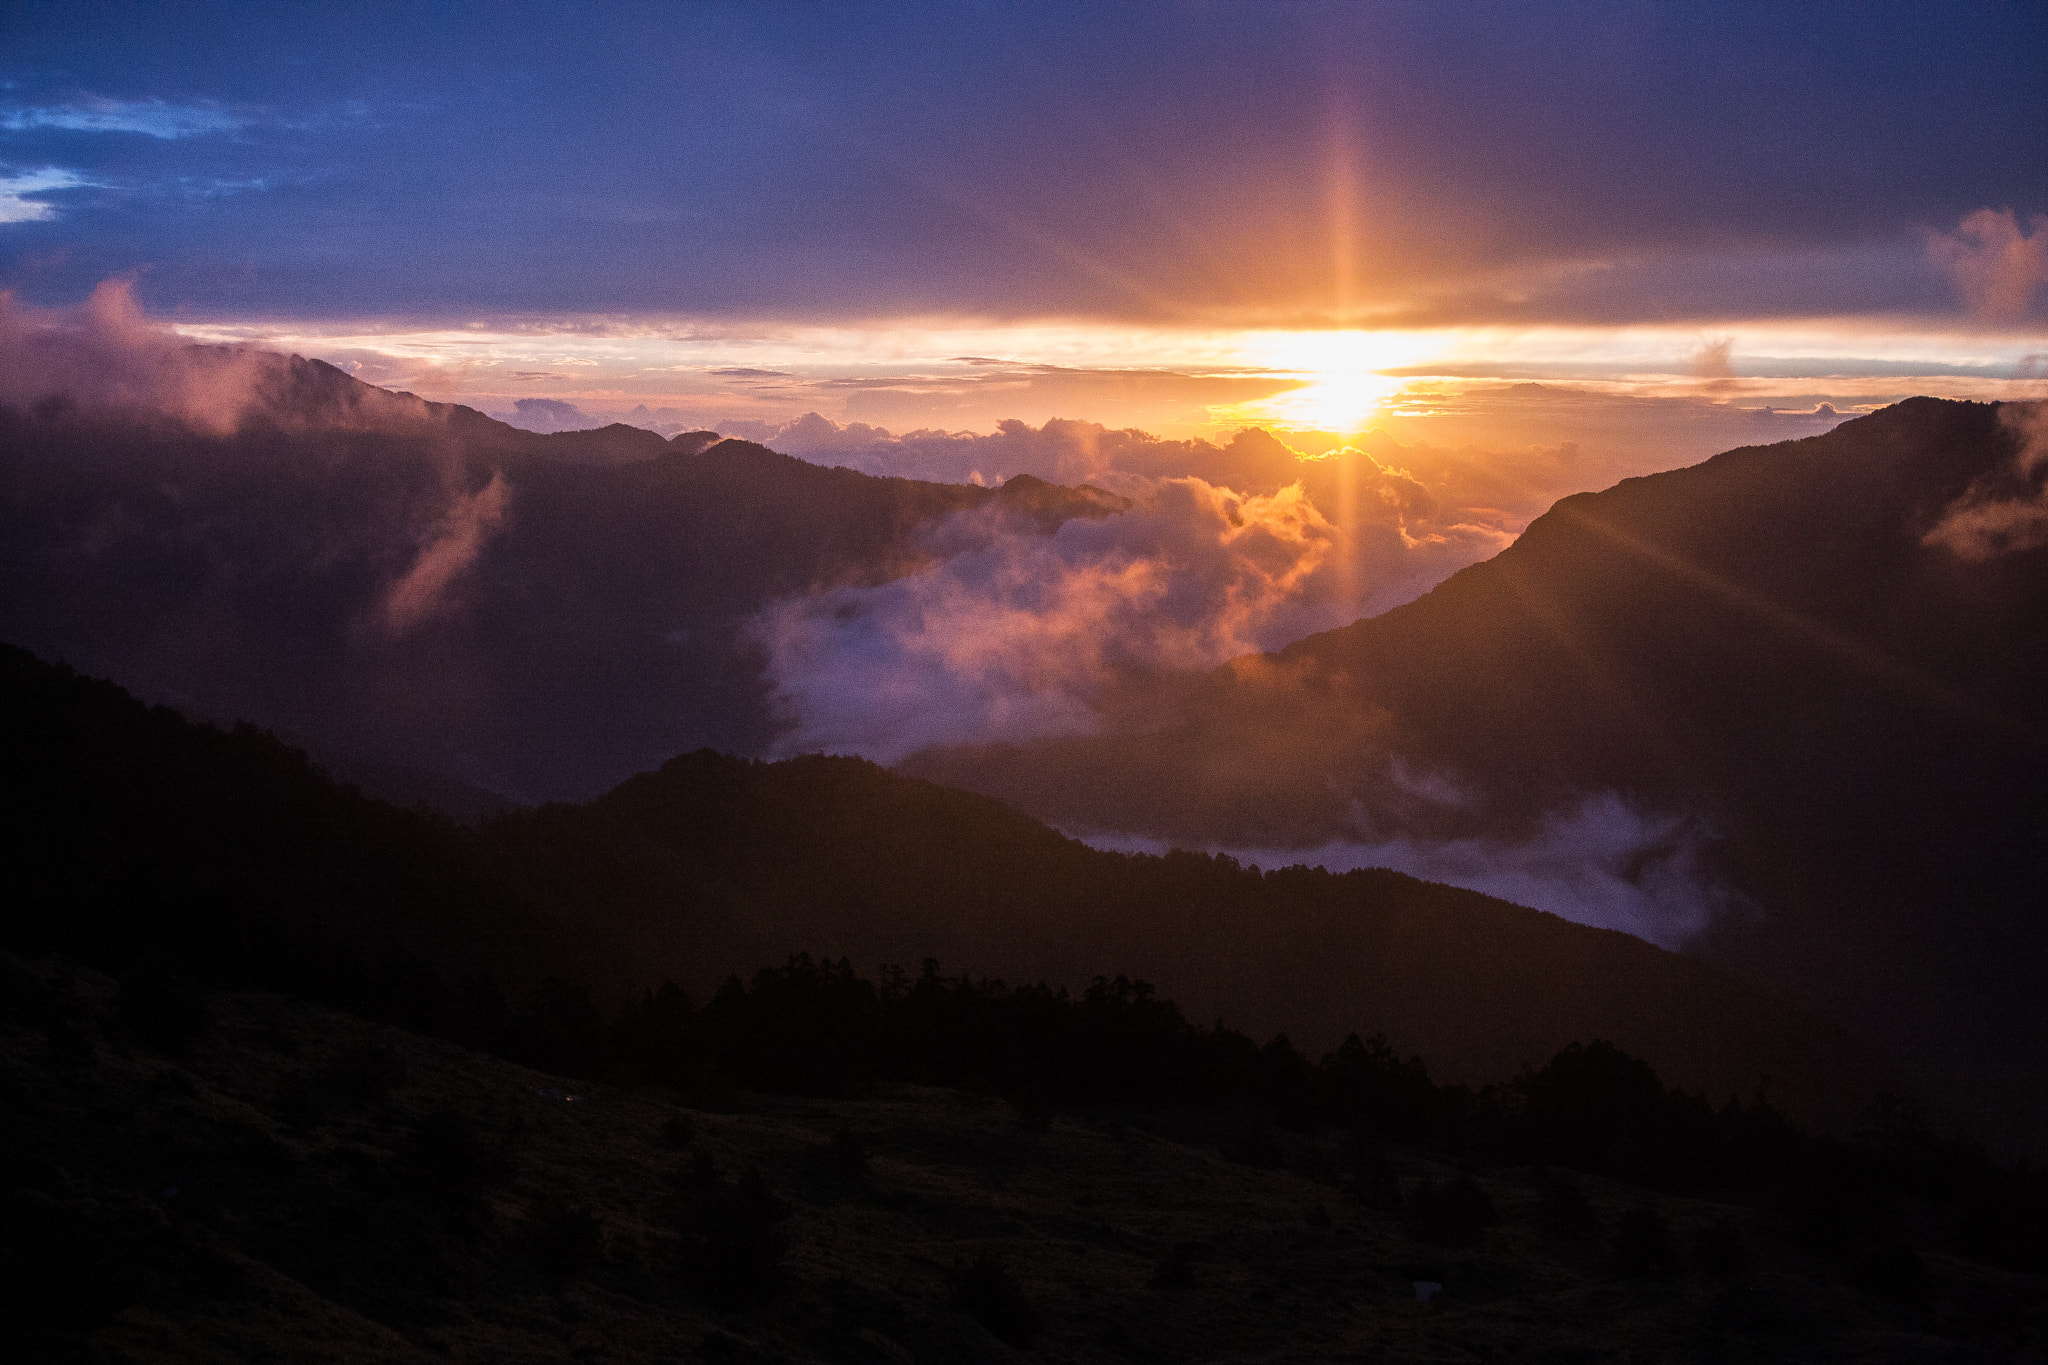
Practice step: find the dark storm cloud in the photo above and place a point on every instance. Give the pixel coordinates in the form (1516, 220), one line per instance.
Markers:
(1229, 164)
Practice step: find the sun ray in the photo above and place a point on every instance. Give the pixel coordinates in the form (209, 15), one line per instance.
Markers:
(1346, 388)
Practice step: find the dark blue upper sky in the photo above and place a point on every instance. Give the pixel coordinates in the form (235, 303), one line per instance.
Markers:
(1212, 163)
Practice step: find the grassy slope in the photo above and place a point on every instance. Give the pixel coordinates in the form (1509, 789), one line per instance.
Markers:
(296, 1233)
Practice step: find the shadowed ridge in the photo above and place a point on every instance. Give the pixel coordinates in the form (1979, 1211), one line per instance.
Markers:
(145, 838)
(300, 395)
(713, 863)
(1765, 642)
(595, 611)
(140, 841)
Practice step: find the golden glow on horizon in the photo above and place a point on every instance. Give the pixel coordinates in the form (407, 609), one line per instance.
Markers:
(1346, 390)
(975, 373)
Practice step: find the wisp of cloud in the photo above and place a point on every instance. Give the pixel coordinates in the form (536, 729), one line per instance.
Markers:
(1016, 635)
(105, 355)
(2006, 512)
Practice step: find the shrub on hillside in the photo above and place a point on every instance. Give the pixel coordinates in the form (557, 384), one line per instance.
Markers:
(443, 1154)
(1562, 1209)
(1642, 1243)
(987, 1292)
(565, 1239)
(733, 1239)
(1452, 1213)
(1719, 1249)
(1372, 1180)
(367, 1071)
(164, 1012)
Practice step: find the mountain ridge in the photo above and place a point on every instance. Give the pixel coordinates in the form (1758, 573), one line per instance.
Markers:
(1772, 644)
(155, 840)
(417, 584)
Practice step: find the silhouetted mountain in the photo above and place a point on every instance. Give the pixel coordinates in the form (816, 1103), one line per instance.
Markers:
(142, 840)
(1792, 645)
(714, 863)
(416, 583)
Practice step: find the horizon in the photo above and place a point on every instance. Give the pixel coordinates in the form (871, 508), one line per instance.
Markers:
(1316, 219)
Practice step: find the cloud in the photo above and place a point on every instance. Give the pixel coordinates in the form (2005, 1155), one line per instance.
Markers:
(996, 390)
(1505, 451)
(1711, 363)
(156, 118)
(105, 355)
(548, 414)
(422, 591)
(1602, 862)
(2006, 512)
(1172, 162)
(1016, 635)
(15, 207)
(1062, 451)
(1996, 265)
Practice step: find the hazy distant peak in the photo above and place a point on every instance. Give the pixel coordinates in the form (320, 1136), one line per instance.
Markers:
(1050, 503)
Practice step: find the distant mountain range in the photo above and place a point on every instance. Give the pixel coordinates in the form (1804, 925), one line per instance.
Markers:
(1822, 660)
(1791, 646)
(304, 571)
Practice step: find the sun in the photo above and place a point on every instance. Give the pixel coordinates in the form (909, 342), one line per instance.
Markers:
(1346, 385)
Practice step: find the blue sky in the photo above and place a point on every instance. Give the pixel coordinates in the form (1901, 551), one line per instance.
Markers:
(1147, 181)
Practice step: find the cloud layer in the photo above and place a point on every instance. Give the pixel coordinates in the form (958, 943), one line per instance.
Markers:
(1234, 547)
(470, 522)
(1016, 635)
(1602, 862)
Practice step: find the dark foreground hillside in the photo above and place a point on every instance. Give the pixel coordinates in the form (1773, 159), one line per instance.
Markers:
(204, 1158)
(244, 1176)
